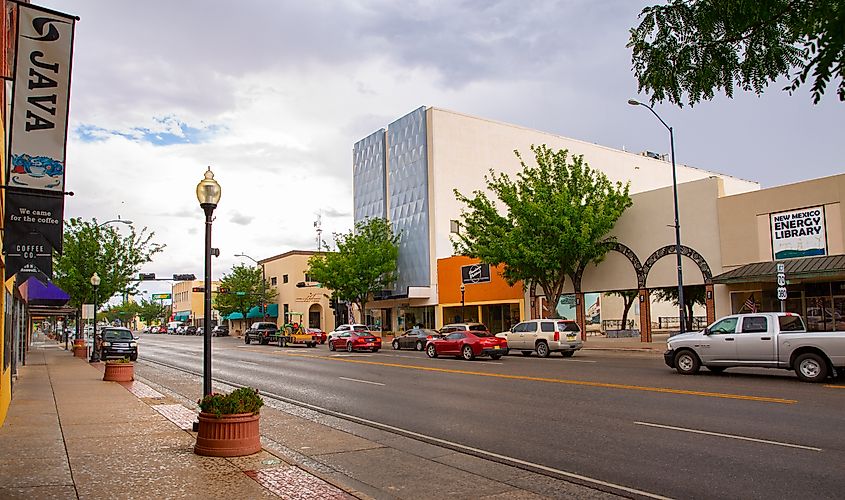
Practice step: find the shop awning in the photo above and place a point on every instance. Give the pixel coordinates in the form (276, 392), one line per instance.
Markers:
(36, 293)
(829, 266)
(255, 312)
(235, 316)
(182, 316)
(273, 310)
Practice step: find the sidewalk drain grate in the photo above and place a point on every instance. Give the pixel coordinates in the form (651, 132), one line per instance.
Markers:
(142, 390)
(295, 483)
(177, 414)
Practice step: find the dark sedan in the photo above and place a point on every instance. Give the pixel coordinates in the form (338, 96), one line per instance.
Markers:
(415, 338)
(468, 345)
(118, 343)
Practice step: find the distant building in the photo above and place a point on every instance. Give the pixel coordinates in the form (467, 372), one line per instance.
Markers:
(188, 303)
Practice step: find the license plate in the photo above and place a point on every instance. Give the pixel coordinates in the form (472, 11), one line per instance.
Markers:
(496, 347)
(570, 337)
(121, 345)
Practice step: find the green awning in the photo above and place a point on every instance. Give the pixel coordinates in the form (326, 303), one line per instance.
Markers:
(255, 312)
(273, 310)
(182, 316)
(235, 316)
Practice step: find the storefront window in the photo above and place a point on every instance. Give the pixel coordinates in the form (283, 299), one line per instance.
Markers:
(413, 316)
(500, 317)
(453, 314)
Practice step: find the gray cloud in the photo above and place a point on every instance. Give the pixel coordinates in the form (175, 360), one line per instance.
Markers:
(241, 219)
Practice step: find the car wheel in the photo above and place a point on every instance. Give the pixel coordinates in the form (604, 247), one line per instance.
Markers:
(246, 339)
(526, 353)
(686, 362)
(496, 356)
(431, 351)
(420, 345)
(567, 354)
(133, 357)
(331, 346)
(349, 347)
(467, 354)
(375, 350)
(716, 369)
(395, 345)
(543, 350)
(811, 367)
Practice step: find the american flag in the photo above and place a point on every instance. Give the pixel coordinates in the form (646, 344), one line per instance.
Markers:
(750, 304)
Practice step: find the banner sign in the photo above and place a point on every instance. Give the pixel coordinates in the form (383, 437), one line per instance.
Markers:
(475, 273)
(799, 233)
(38, 130)
(29, 254)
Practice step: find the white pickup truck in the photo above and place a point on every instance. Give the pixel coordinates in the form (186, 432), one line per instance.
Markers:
(770, 340)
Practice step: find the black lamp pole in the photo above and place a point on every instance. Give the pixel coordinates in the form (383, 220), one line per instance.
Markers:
(463, 288)
(682, 311)
(208, 194)
(95, 354)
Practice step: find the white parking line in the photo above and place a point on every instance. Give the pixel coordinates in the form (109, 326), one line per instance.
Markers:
(249, 363)
(729, 436)
(362, 381)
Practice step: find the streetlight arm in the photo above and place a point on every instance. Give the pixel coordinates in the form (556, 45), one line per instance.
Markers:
(634, 102)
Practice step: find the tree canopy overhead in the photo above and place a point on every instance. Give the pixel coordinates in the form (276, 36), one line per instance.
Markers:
(555, 221)
(698, 47)
(364, 263)
(89, 248)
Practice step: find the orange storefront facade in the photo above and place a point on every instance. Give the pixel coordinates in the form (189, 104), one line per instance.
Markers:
(487, 297)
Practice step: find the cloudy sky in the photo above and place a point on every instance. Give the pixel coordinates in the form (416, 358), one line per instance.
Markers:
(273, 94)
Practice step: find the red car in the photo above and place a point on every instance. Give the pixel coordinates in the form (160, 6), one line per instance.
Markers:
(468, 345)
(320, 334)
(355, 341)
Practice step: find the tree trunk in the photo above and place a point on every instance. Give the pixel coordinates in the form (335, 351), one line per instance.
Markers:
(628, 303)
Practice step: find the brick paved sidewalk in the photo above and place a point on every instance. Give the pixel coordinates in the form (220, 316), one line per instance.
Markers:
(70, 435)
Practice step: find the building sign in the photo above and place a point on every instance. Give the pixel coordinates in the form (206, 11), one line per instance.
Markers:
(310, 298)
(38, 130)
(475, 273)
(29, 254)
(161, 296)
(798, 233)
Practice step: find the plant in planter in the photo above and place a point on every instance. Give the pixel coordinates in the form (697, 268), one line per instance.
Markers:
(228, 424)
(119, 370)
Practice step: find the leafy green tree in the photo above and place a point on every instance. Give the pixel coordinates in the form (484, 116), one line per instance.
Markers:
(125, 312)
(553, 221)
(701, 46)
(365, 262)
(628, 298)
(244, 291)
(89, 248)
(152, 311)
(693, 295)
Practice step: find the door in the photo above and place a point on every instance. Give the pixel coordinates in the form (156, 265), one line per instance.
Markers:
(528, 337)
(720, 344)
(756, 343)
(516, 337)
(452, 343)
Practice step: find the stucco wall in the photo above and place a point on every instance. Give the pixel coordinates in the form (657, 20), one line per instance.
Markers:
(294, 264)
(744, 218)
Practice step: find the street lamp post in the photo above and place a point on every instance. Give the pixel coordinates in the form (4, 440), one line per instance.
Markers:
(463, 288)
(682, 312)
(208, 194)
(261, 304)
(95, 355)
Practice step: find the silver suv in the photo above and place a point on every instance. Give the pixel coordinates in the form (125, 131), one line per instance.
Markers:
(544, 336)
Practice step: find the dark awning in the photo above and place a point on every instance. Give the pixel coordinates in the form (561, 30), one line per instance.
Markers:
(829, 266)
(36, 293)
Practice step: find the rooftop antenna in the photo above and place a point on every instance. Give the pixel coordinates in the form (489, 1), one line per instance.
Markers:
(318, 227)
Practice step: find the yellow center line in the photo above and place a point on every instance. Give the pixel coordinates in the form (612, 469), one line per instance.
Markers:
(835, 386)
(605, 385)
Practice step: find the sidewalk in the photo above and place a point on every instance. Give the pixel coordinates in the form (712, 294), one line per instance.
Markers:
(600, 342)
(70, 435)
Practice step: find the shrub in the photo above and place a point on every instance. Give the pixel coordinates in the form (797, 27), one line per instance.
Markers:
(118, 361)
(243, 400)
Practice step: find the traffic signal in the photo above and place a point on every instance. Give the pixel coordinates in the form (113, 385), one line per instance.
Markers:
(198, 289)
(147, 276)
(222, 289)
(184, 277)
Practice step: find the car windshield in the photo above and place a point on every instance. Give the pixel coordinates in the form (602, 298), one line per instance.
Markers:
(475, 328)
(478, 333)
(117, 335)
(359, 328)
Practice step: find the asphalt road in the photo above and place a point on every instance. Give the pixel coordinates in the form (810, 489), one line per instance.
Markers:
(620, 417)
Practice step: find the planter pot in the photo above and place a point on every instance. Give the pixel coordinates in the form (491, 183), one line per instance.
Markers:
(80, 351)
(228, 436)
(119, 372)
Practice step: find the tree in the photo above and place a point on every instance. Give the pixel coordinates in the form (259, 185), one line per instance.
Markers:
(89, 248)
(244, 291)
(123, 312)
(628, 298)
(364, 263)
(701, 46)
(151, 311)
(557, 216)
(693, 295)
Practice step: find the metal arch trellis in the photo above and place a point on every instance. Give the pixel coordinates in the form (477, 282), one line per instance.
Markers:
(686, 252)
(624, 250)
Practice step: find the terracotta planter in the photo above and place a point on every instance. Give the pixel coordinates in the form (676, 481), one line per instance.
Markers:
(80, 351)
(228, 436)
(119, 372)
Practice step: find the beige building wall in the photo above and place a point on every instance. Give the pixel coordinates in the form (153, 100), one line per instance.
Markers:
(185, 299)
(745, 224)
(283, 272)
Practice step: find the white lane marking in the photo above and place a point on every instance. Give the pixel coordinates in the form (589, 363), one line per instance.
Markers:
(730, 436)
(249, 363)
(580, 361)
(350, 355)
(362, 381)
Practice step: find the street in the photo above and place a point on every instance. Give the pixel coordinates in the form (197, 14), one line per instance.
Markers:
(619, 417)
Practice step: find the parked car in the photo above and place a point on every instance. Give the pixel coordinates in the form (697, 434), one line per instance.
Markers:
(200, 330)
(190, 330)
(468, 344)
(346, 328)
(544, 336)
(355, 340)
(220, 331)
(767, 340)
(262, 332)
(319, 333)
(462, 327)
(118, 343)
(415, 338)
